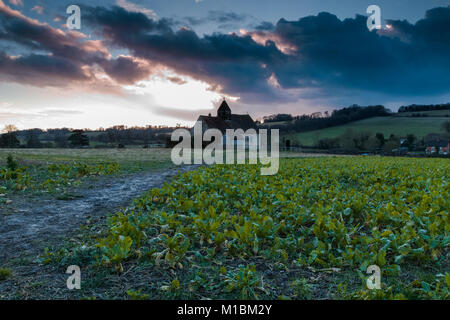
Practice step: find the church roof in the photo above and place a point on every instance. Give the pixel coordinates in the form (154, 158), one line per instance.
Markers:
(238, 121)
(224, 106)
(226, 120)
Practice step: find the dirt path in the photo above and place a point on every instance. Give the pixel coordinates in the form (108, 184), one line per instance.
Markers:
(35, 222)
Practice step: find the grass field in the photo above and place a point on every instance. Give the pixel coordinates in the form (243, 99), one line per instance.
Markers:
(57, 171)
(128, 157)
(399, 126)
(433, 113)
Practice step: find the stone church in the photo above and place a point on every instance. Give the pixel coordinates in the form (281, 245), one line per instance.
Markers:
(226, 120)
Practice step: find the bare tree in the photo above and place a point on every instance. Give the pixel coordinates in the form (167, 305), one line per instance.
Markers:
(9, 128)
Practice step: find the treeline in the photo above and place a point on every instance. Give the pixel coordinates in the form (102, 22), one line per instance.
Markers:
(278, 117)
(116, 136)
(424, 107)
(133, 135)
(318, 121)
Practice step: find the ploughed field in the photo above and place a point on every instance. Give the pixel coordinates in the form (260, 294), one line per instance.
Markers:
(310, 231)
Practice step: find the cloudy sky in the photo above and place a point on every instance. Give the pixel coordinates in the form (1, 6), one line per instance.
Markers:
(139, 62)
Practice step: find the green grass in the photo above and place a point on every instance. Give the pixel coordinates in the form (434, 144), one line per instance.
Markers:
(277, 123)
(130, 160)
(58, 171)
(433, 113)
(399, 126)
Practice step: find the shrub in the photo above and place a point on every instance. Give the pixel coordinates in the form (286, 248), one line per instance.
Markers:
(11, 164)
(5, 273)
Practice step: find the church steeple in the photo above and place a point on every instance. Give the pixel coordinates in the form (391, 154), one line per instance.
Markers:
(224, 111)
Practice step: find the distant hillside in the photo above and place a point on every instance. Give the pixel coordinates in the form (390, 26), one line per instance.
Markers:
(433, 113)
(308, 122)
(399, 126)
(424, 107)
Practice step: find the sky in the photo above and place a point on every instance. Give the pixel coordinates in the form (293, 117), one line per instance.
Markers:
(165, 62)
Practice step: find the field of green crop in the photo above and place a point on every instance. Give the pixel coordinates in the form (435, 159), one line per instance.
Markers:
(399, 126)
(49, 178)
(308, 232)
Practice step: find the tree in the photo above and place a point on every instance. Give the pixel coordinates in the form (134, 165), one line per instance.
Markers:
(380, 138)
(446, 126)
(347, 140)
(390, 145)
(60, 140)
(9, 140)
(78, 139)
(11, 163)
(361, 140)
(10, 128)
(33, 140)
(328, 143)
(410, 138)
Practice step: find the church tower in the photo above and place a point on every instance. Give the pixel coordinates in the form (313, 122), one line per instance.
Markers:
(224, 111)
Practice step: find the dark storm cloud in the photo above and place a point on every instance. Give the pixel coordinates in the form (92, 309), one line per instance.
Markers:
(335, 53)
(126, 70)
(40, 36)
(63, 56)
(318, 52)
(118, 21)
(37, 69)
(235, 63)
(434, 30)
(265, 26)
(329, 53)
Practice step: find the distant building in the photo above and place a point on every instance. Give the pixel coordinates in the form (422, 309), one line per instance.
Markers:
(438, 146)
(225, 119)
